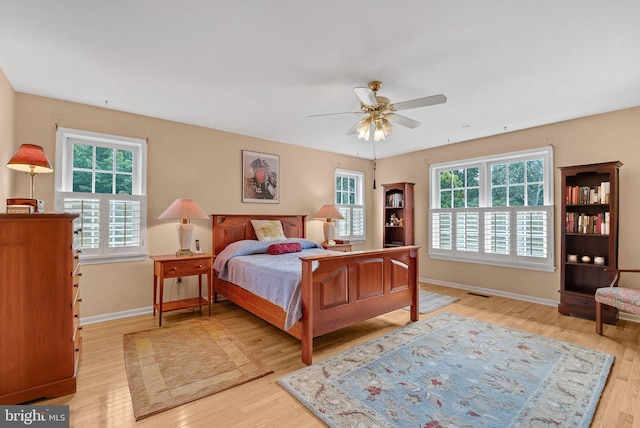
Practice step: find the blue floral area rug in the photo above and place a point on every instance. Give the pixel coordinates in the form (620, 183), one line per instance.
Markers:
(451, 371)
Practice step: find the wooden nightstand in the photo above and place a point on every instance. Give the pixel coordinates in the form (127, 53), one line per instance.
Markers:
(171, 266)
(338, 247)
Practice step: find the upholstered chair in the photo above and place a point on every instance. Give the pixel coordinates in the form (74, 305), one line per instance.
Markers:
(625, 299)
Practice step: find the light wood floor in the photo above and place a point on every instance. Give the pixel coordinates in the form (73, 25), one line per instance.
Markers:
(103, 400)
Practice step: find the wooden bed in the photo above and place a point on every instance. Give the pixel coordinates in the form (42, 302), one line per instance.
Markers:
(346, 288)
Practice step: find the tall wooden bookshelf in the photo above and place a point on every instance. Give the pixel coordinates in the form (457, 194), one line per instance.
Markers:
(589, 220)
(398, 214)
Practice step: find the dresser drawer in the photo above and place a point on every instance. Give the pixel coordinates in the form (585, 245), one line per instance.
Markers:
(75, 304)
(77, 328)
(76, 298)
(77, 350)
(190, 267)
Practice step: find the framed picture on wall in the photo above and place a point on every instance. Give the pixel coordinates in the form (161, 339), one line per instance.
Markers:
(260, 175)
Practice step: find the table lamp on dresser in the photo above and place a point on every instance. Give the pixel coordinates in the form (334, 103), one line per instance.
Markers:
(32, 160)
(185, 210)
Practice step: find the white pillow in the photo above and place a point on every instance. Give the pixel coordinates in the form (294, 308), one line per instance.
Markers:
(268, 230)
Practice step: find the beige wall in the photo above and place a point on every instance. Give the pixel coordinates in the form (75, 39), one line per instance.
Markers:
(7, 144)
(606, 137)
(183, 161)
(205, 164)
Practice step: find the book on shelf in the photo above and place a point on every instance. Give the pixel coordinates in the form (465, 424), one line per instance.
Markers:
(605, 191)
(583, 195)
(395, 200)
(598, 224)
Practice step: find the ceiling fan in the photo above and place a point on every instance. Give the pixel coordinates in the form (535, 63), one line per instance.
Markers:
(379, 112)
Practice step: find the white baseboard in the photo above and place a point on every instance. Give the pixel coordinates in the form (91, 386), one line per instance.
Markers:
(116, 315)
(479, 290)
(125, 314)
(623, 315)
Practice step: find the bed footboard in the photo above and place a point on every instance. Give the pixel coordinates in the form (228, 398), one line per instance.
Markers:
(352, 287)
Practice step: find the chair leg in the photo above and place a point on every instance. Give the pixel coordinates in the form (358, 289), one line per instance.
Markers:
(598, 318)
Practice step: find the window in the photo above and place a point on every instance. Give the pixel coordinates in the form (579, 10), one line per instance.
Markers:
(494, 210)
(350, 202)
(102, 178)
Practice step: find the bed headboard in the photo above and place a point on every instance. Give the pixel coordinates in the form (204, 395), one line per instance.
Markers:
(228, 228)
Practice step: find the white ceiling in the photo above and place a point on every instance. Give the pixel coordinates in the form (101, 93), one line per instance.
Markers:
(261, 67)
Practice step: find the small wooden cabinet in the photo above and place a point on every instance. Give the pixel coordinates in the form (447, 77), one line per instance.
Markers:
(40, 341)
(589, 224)
(172, 266)
(398, 214)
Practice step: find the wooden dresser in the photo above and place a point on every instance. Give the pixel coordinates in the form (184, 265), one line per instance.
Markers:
(39, 307)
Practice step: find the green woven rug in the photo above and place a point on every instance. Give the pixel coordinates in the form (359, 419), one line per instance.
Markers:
(182, 362)
(449, 370)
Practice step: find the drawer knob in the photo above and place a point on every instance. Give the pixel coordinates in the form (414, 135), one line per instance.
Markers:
(174, 268)
(199, 266)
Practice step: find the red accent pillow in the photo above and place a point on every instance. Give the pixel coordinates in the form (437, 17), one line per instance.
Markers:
(287, 247)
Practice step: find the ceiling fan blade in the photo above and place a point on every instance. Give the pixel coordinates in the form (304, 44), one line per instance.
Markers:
(402, 120)
(419, 102)
(336, 114)
(367, 96)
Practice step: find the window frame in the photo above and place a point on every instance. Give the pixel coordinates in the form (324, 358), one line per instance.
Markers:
(65, 140)
(537, 217)
(351, 211)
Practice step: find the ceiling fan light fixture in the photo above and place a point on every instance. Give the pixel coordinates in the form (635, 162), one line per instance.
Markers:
(364, 128)
(386, 126)
(379, 133)
(379, 126)
(382, 129)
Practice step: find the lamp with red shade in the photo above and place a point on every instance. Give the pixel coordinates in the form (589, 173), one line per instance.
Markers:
(32, 160)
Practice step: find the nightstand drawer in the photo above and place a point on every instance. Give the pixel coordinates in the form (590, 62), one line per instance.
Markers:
(182, 268)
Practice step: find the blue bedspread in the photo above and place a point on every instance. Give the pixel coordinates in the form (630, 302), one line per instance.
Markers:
(276, 278)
